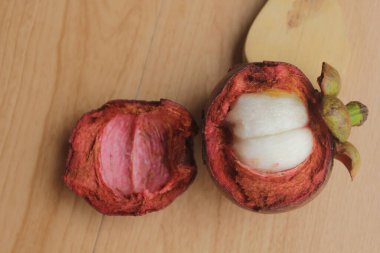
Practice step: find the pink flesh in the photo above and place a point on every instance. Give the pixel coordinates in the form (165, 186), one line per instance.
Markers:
(150, 169)
(133, 152)
(116, 153)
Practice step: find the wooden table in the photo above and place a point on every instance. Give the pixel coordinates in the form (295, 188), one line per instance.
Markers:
(59, 59)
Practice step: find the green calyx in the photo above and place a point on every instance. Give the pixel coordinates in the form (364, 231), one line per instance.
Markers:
(349, 156)
(329, 80)
(337, 117)
(340, 118)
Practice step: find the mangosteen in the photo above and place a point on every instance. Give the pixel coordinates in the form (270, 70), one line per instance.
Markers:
(132, 157)
(270, 138)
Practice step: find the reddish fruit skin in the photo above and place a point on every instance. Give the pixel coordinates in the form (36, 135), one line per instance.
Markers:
(252, 189)
(83, 173)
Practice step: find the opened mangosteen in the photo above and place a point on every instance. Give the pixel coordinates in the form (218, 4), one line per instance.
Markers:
(132, 157)
(270, 138)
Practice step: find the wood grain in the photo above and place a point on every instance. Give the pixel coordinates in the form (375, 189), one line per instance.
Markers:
(59, 59)
(302, 32)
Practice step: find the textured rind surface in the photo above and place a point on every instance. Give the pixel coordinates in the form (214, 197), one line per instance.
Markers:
(83, 174)
(251, 189)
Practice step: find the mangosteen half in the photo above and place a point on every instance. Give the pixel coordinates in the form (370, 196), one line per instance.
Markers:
(132, 157)
(270, 138)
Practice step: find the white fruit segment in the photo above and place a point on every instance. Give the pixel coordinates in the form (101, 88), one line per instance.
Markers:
(270, 131)
(275, 152)
(259, 114)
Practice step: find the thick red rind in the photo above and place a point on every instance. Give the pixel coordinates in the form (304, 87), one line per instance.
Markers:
(83, 162)
(252, 189)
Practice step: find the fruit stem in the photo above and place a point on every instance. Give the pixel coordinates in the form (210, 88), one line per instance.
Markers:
(358, 113)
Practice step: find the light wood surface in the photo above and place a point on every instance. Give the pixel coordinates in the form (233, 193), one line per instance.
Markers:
(59, 59)
(301, 32)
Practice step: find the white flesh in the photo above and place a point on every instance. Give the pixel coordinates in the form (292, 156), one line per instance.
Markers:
(270, 131)
(258, 114)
